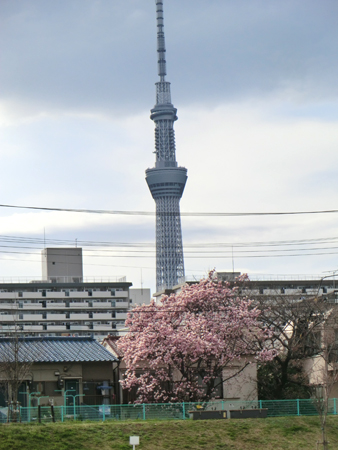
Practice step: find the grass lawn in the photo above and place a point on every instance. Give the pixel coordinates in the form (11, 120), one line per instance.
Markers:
(282, 433)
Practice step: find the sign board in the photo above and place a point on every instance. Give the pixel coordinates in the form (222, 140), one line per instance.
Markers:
(134, 440)
(106, 409)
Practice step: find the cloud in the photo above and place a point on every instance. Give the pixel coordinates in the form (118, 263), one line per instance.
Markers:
(100, 56)
(255, 86)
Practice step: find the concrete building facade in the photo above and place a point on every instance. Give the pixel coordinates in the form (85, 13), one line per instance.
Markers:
(63, 304)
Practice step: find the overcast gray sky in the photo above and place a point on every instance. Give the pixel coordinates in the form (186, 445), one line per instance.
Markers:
(255, 84)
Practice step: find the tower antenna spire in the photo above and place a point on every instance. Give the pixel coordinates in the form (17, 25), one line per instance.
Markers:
(162, 64)
(166, 180)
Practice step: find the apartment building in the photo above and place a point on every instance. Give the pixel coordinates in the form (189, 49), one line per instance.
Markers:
(63, 304)
(296, 286)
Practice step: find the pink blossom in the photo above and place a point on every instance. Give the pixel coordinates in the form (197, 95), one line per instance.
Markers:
(188, 338)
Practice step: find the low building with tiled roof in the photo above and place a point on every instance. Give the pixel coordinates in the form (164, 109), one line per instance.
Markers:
(61, 370)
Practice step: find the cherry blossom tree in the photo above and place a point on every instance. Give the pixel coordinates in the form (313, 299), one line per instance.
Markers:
(178, 350)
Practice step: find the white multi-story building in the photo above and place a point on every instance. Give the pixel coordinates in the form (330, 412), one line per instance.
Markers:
(63, 303)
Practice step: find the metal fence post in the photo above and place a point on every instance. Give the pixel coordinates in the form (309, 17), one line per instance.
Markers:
(334, 406)
(183, 410)
(103, 413)
(144, 411)
(298, 412)
(61, 413)
(260, 404)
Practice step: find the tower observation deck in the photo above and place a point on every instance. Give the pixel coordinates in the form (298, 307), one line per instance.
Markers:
(166, 180)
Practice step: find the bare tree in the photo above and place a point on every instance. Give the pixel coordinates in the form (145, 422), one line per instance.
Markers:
(294, 323)
(322, 370)
(14, 367)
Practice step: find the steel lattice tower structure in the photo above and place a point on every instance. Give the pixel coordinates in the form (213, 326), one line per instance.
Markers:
(166, 180)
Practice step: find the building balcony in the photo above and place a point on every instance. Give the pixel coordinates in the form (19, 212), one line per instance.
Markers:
(31, 317)
(102, 327)
(121, 316)
(32, 328)
(56, 327)
(79, 316)
(54, 317)
(75, 327)
(74, 304)
(102, 316)
(101, 305)
(122, 305)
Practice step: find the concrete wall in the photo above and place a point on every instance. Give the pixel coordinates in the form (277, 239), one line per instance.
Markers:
(139, 296)
(243, 384)
(62, 264)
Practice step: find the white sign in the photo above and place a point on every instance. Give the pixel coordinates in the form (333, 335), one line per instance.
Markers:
(134, 440)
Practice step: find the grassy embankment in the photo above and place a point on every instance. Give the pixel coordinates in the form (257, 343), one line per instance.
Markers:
(284, 433)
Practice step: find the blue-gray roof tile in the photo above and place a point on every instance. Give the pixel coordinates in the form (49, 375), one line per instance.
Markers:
(54, 349)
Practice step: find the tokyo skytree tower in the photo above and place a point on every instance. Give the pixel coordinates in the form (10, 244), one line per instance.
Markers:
(166, 180)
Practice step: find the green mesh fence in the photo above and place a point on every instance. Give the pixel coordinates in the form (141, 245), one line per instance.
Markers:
(162, 411)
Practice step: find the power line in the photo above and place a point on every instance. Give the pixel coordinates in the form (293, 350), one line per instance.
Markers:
(40, 242)
(186, 214)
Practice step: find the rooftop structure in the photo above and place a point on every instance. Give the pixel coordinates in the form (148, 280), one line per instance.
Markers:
(166, 180)
(62, 264)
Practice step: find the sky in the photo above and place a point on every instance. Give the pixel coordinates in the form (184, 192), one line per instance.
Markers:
(255, 85)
